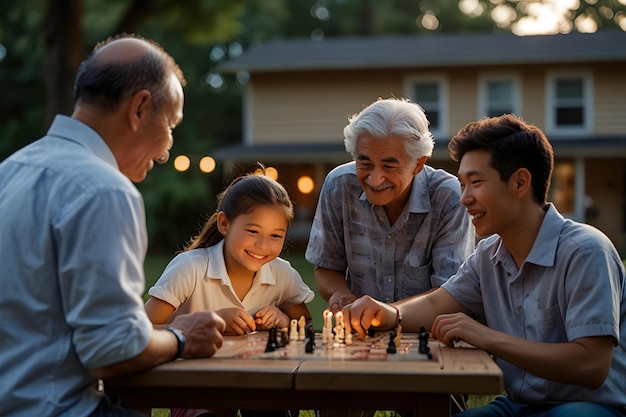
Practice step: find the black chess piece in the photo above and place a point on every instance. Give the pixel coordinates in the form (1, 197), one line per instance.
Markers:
(371, 332)
(391, 347)
(310, 333)
(283, 339)
(310, 338)
(272, 340)
(423, 348)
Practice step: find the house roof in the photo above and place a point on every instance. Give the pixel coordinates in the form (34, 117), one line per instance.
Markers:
(589, 147)
(458, 49)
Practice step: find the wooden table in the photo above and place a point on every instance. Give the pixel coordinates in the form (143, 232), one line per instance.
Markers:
(228, 381)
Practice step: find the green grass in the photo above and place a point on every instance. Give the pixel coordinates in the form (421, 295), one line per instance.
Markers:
(156, 263)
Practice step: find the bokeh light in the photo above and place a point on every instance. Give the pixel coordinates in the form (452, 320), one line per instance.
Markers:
(207, 164)
(182, 163)
(305, 184)
(272, 173)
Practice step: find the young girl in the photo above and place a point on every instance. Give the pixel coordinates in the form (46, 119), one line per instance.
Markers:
(232, 267)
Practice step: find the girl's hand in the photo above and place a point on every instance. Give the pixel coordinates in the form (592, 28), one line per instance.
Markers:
(271, 316)
(238, 321)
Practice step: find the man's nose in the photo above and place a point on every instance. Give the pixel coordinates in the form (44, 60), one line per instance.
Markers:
(376, 178)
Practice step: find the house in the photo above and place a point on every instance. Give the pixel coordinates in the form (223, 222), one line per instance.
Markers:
(573, 86)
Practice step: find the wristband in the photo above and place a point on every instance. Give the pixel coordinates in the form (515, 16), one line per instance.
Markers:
(180, 338)
(398, 316)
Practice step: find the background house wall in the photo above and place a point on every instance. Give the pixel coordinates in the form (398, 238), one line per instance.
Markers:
(288, 108)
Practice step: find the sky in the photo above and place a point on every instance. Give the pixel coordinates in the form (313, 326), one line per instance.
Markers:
(542, 16)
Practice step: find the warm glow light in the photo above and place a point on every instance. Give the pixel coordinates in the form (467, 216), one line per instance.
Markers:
(547, 17)
(272, 173)
(182, 163)
(207, 164)
(269, 172)
(305, 184)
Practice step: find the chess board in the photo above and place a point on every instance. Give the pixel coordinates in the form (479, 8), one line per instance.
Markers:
(373, 348)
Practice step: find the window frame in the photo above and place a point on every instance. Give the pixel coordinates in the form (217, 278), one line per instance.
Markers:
(442, 106)
(516, 95)
(552, 77)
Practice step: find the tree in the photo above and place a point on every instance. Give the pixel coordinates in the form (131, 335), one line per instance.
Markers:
(43, 42)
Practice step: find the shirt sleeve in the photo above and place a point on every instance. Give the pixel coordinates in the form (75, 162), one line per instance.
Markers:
(326, 247)
(454, 243)
(178, 280)
(102, 243)
(593, 294)
(294, 290)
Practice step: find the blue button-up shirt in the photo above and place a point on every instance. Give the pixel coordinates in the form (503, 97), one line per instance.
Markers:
(571, 285)
(73, 242)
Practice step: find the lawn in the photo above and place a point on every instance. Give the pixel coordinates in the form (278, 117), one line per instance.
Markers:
(155, 263)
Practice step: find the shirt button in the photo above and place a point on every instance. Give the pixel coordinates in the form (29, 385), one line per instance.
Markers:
(389, 280)
(388, 237)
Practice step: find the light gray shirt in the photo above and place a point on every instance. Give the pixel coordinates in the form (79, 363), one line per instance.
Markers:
(421, 250)
(73, 242)
(571, 285)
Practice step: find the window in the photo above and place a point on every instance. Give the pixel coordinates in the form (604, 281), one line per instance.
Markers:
(430, 94)
(569, 103)
(498, 95)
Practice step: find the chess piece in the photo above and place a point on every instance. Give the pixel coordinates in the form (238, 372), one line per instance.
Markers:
(391, 347)
(272, 340)
(326, 329)
(423, 347)
(310, 334)
(283, 339)
(301, 328)
(339, 327)
(398, 339)
(371, 332)
(348, 339)
(293, 331)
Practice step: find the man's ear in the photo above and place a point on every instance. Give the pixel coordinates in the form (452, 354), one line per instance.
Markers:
(419, 165)
(522, 181)
(139, 106)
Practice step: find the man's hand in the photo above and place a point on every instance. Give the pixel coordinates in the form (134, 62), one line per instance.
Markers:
(339, 300)
(203, 331)
(366, 312)
(448, 328)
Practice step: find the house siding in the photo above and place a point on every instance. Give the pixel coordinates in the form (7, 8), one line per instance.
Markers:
(305, 106)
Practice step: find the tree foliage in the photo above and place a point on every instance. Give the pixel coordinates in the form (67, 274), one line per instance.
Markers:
(42, 43)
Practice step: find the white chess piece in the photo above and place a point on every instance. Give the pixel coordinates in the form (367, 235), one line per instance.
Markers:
(339, 327)
(293, 332)
(326, 328)
(302, 328)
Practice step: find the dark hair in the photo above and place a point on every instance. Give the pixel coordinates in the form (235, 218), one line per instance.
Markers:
(107, 83)
(513, 144)
(243, 195)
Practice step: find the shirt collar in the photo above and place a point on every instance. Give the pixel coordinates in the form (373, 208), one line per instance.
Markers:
(216, 268)
(544, 248)
(70, 129)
